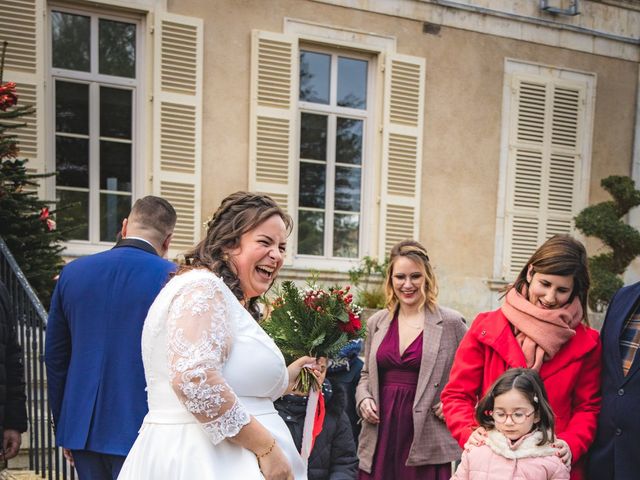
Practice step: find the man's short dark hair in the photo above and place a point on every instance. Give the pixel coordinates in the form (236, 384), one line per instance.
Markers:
(153, 212)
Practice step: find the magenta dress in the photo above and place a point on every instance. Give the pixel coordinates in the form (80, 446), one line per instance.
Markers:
(398, 381)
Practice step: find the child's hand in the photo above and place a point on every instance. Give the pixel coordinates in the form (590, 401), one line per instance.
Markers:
(476, 439)
(563, 451)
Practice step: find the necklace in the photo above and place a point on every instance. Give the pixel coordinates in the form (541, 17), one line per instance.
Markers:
(406, 322)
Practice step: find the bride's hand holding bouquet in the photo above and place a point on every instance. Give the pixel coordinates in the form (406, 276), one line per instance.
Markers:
(296, 367)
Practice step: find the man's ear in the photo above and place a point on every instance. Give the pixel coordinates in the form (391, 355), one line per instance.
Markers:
(124, 228)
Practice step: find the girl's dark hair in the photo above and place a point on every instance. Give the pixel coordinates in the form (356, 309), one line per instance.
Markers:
(529, 384)
(238, 213)
(561, 255)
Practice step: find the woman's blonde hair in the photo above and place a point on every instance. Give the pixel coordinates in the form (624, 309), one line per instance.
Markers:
(415, 252)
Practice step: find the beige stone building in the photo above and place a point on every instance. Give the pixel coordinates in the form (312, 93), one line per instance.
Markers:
(479, 127)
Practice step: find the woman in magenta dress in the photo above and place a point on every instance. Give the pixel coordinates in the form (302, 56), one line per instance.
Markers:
(409, 351)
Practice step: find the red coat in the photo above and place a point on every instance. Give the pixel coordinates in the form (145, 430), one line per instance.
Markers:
(571, 378)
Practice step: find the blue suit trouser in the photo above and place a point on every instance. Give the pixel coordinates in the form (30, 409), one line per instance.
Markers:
(97, 466)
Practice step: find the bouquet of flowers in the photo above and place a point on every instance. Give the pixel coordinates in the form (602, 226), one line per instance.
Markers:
(313, 322)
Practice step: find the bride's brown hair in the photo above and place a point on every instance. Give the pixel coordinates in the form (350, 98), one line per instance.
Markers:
(238, 213)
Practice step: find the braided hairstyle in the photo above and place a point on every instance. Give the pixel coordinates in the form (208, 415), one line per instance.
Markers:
(238, 213)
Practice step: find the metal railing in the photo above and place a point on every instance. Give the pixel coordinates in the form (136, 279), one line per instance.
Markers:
(44, 457)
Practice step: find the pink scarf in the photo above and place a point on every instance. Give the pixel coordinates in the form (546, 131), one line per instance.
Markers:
(540, 332)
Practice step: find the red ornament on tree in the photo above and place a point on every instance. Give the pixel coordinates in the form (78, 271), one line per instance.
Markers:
(44, 217)
(8, 97)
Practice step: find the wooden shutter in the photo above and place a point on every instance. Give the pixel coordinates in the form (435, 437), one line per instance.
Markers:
(22, 25)
(544, 164)
(177, 122)
(402, 150)
(274, 90)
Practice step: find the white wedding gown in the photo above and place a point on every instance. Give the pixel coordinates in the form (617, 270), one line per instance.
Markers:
(209, 366)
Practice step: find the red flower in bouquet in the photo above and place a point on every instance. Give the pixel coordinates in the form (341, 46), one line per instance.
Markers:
(349, 323)
(353, 325)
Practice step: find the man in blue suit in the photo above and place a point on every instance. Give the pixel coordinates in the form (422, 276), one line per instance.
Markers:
(615, 454)
(95, 376)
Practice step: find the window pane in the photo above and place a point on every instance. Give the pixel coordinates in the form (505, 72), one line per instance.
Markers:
(71, 40)
(315, 74)
(113, 208)
(310, 233)
(117, 48)
(72, 162)
(72, 107)
(313, 136)
(352, 83)
(346, 230)
(349, 141)
(72, 213)
(348, 189)
(115, 112)
(115, 166)
(312, 185)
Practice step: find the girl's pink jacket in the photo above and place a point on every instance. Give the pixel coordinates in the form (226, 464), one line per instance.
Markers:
(498, 459)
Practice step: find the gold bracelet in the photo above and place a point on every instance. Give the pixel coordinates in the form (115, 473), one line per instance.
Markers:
(273, 444)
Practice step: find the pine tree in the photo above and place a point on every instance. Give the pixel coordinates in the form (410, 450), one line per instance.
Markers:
(605, 221)
(26, 224)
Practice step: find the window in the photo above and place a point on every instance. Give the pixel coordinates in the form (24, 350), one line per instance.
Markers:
(333, 119)
(336, 139)
(545, 158)
(94, 64)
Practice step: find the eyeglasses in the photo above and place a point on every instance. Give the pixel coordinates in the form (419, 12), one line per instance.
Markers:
(516, 417)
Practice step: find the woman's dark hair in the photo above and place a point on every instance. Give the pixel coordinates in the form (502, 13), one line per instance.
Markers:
(418, 254)
(238, 213)
(561, 255)
(528, 383)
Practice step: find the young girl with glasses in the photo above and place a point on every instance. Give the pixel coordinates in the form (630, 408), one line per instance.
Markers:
(520, 433)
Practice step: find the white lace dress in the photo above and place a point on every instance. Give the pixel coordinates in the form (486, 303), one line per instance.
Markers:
(208, 366)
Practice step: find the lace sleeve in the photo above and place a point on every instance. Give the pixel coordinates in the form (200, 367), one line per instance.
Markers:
(199, 340)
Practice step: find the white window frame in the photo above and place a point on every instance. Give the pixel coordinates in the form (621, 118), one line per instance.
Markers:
(367, 165)
(95, 80)
(282, 112)
(515, 66)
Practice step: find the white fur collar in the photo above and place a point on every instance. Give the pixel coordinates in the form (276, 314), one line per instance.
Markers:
(525, 447)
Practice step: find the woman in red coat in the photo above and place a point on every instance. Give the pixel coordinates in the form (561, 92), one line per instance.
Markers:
(543, 325)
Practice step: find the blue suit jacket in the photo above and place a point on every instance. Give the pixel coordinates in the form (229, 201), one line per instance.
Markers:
(95, 376)
(615, 454)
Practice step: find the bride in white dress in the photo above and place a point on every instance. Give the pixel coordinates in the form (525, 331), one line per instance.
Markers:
(212, 372)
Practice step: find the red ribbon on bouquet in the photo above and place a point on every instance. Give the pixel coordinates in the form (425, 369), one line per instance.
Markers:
(318, 421)
(313, 420)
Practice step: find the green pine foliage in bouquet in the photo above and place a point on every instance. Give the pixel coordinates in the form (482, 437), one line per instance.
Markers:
(314, 322)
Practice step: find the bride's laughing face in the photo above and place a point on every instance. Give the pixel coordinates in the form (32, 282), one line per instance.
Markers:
(259, 256)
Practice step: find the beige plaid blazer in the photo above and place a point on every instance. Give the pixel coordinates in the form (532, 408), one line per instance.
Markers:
(432, 442)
